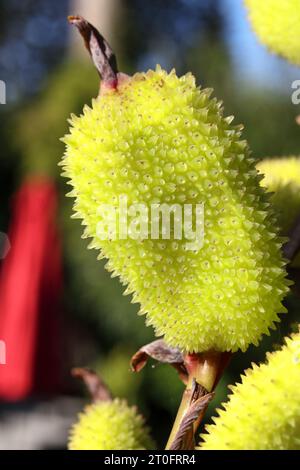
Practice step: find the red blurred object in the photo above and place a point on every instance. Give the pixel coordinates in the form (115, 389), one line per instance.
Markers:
(30, 295)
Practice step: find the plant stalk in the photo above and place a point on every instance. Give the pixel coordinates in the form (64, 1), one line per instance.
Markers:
(205, 371)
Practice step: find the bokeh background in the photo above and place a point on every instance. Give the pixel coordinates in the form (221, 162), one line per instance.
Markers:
(58, 306)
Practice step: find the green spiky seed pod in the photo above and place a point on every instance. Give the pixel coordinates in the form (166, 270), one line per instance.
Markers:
(158, 139)
(263, 412)
(282, 177)
(277, 24)
(110, 425)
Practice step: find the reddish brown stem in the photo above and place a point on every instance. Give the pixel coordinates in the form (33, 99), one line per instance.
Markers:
(102, 55)
(94, 384)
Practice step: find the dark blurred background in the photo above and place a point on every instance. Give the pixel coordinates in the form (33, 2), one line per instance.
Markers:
(48, 76)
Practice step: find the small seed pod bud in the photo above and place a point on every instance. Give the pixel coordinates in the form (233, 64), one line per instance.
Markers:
(110, 425)
(263, 412)
(277, 23)
(282, 177)
(169, 194)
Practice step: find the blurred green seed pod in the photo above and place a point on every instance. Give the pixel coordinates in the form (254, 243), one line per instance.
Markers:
(158, 145)
(276, 24)
(263, 412)
(110, 425)
(282, 177)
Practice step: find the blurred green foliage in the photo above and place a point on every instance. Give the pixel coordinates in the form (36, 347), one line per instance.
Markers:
(43, 120)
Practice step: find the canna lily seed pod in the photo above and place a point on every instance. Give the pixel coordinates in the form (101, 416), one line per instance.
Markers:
(158, 140)
(110, 425)
(277, 24)
(263, 412)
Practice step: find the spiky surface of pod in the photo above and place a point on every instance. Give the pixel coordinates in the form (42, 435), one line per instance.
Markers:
(110, 426)
(263, 411)
(282, 177)
(159, 139)
(277, 24)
